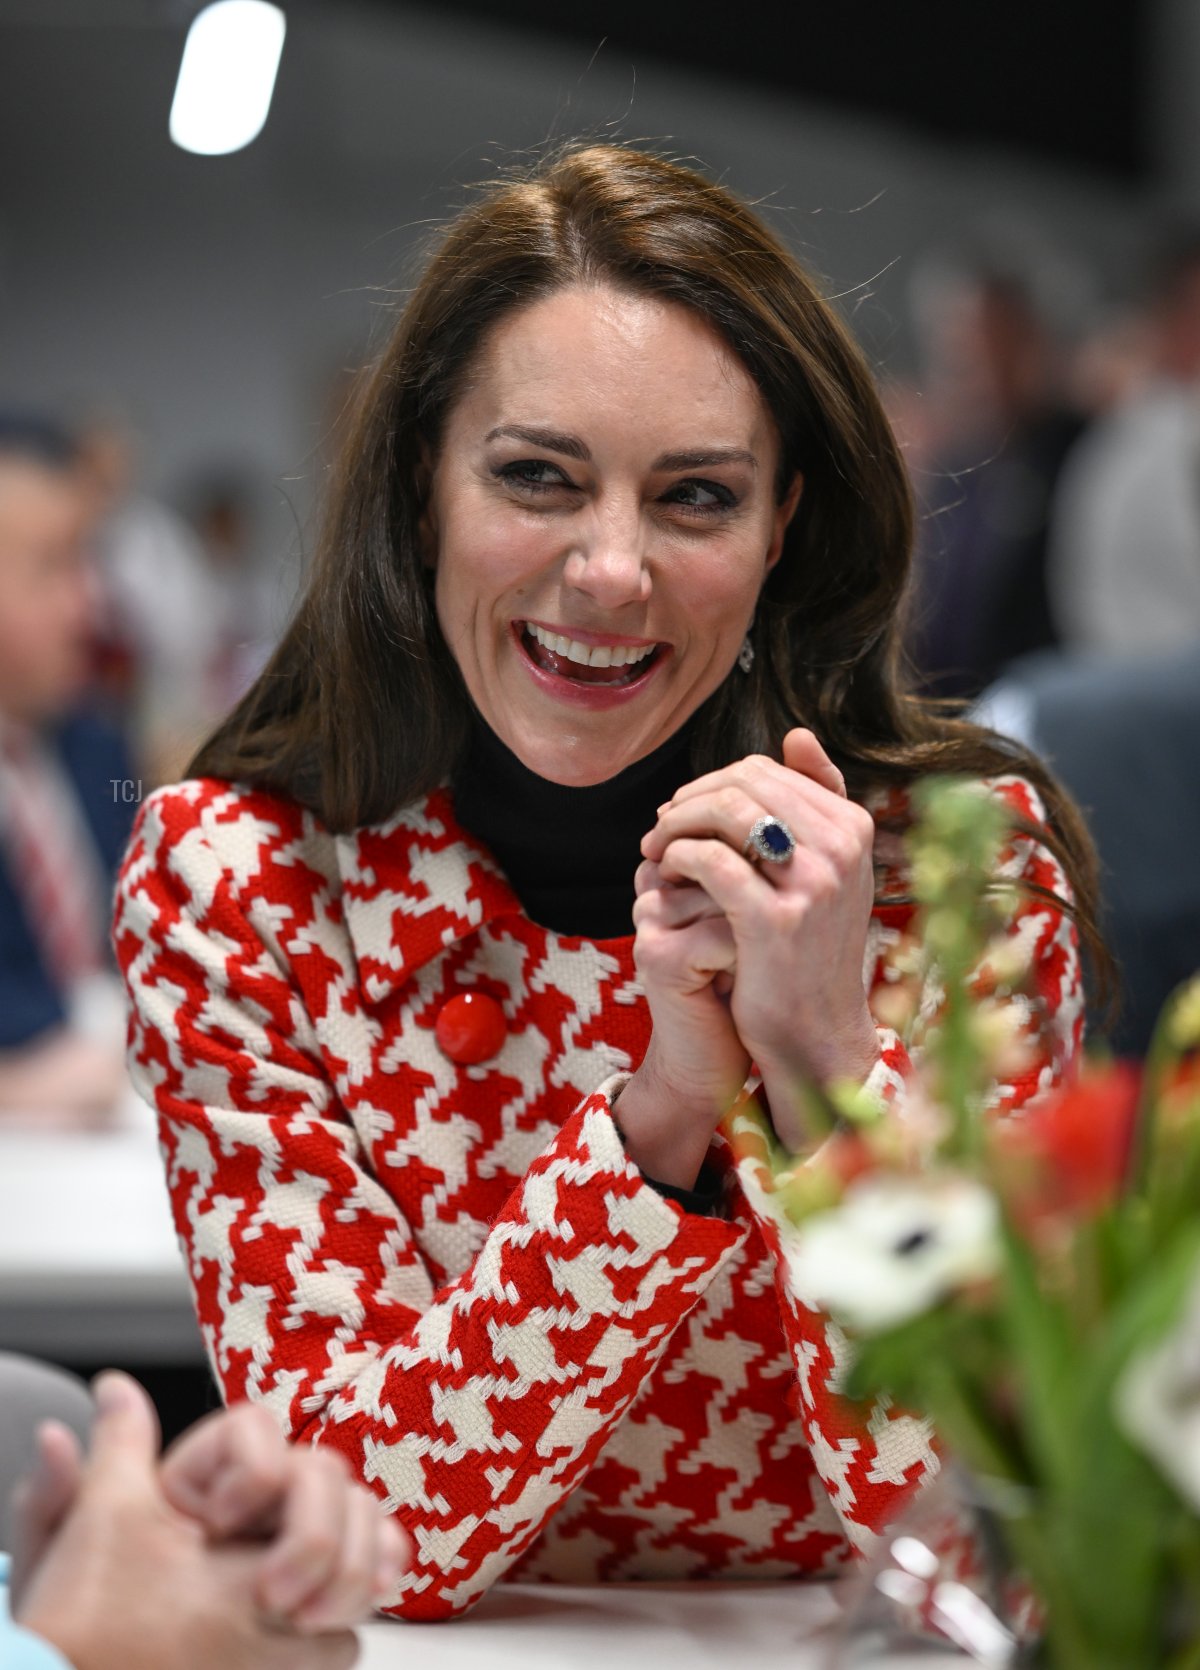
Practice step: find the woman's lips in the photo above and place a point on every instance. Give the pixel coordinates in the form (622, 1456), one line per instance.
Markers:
(548, 669)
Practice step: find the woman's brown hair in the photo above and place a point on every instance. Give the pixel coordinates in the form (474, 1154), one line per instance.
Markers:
(361, 708)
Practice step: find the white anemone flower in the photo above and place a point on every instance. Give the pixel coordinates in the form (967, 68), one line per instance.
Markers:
(1157, 1400)
(894, 1247)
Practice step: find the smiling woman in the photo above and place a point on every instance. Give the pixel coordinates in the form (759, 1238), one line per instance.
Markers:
(602, 542)
(562, 818)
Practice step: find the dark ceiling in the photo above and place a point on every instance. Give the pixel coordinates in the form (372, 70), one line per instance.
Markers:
(1063, 79)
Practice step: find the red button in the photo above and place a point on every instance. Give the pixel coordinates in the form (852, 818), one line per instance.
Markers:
(470, 1028)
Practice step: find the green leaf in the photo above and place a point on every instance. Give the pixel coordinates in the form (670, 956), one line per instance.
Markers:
(1042, 1348)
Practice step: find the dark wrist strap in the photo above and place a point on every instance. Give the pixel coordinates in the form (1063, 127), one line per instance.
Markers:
(704, 1198)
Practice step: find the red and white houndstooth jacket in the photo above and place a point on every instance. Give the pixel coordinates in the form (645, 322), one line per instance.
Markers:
(451, 1272)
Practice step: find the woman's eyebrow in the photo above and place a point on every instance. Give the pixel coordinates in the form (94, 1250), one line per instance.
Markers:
(572, 447)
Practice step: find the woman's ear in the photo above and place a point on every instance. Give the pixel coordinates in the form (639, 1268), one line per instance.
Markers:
(783, 516)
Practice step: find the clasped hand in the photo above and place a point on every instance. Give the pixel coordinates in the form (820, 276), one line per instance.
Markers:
(747, 963)
(235, 1548)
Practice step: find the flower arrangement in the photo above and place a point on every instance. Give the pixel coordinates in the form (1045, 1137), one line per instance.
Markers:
(1031, 1283)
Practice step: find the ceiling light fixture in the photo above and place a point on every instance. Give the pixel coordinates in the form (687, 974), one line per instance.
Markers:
(227, 76)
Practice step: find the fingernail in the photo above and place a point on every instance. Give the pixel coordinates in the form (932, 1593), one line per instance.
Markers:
(661, 809)
(108, 1389)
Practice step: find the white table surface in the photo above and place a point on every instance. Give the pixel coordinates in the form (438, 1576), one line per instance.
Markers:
(630, 1626)
(88, 1254)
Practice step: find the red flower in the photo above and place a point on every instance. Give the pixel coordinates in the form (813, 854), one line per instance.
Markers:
(1179, 1092)
(1070, 1152)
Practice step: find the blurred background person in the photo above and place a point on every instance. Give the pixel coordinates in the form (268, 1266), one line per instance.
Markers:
(1125, 522)
(1110, 363)
(66, 795)
(161, 589)
(247, 591)
(996, 420)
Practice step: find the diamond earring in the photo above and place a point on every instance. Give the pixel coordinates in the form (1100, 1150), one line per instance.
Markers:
(746, 654)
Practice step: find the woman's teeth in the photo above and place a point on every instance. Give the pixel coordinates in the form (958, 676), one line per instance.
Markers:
(595, 655)
(587, 663)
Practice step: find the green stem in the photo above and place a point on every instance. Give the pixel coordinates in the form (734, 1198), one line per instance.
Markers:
(980, 1446)
(968, 1432)
(1160, 1053)
(1187, 1659)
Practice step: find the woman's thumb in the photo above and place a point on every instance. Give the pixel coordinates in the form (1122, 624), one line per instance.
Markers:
(803, 753)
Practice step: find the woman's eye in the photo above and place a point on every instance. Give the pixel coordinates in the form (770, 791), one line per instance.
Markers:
(509, 473)
(515, 473)
(725, 499)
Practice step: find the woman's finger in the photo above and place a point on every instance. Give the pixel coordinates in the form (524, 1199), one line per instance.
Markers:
(687, 958)
(803, 753)
(741, 889)
(730, 813)
(646, 877)
(729, 879)
(674, 906)
(803, 758)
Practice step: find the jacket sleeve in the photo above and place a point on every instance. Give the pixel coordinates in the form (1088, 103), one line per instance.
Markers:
(870, 1460)
(473, 1407)
(21, 1649)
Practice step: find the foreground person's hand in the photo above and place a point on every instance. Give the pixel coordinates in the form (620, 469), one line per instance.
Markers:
(43, 1499)
(125, 1581)
(334, 1552)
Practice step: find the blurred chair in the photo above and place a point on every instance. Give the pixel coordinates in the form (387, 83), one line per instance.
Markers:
(31, 1392)
(1124, 737)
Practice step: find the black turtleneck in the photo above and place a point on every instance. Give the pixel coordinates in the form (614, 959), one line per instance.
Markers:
(570, 853)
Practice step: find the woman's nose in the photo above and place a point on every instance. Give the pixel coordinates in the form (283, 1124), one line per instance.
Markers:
(611, 572)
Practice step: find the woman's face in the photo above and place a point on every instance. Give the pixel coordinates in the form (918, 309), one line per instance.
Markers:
(606, 478)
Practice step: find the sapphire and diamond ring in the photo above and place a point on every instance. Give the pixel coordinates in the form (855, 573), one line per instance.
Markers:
(771, 840)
